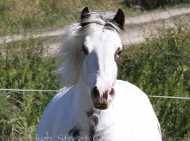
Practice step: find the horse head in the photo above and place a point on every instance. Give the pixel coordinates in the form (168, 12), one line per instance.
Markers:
(101, 49)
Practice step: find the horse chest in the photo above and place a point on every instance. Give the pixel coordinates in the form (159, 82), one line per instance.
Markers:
(88, 129)
(91, 134)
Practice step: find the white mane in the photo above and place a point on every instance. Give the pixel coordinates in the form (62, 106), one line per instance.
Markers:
(92, 105)
(70, 56)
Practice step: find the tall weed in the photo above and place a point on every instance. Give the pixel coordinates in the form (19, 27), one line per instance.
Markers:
(161, 66)
(19, 16)
(23, 66)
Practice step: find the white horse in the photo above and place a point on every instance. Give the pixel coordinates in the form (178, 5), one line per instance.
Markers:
(93, 105)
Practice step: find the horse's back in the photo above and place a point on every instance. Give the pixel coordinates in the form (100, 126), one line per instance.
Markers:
(136, 113)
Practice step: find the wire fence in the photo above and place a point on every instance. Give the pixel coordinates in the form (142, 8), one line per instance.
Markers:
(33, 90)
(157, 109)
(28, 90)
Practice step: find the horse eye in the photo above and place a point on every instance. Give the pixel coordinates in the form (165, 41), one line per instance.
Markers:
(84, 50)
(119, 52)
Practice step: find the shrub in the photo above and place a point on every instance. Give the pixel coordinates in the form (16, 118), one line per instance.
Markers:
(152, 4)
(23, 66)
(161, 66)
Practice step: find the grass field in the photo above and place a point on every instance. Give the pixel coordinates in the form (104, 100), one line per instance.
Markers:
(160, 66)
(28, 15)
(23, 16)
(24, 67)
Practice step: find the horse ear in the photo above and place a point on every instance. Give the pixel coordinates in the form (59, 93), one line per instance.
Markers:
(120, 18)
(84, 13)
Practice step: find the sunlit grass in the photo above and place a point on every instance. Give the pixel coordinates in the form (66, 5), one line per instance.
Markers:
(33, 15)
(23, 66)
(161, 66)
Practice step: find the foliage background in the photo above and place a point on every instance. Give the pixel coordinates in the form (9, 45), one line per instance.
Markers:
(160, 66)
(152, 4)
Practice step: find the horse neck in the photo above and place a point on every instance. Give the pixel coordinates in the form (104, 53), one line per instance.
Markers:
(82, 95)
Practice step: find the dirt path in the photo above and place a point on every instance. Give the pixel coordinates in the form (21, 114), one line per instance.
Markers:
(157, 16)
(148, 24)
(137, 28)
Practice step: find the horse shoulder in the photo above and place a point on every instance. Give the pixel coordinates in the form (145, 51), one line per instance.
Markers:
(134, 98)
(137, 112)
(55, 115)
(130, 91)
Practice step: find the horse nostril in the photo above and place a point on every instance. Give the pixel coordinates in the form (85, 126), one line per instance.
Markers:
(109, 94)
(95, 92)
(112, 92)
(102, 99)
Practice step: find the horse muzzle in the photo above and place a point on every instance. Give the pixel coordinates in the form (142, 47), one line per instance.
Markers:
(101, 99)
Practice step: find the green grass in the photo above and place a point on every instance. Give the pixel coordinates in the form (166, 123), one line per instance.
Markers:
(28, 15)
(23, 66)
(33, 15)
(161, 66)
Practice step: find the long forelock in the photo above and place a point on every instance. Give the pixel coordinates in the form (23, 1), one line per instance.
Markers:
(70, 57)
(101, 20)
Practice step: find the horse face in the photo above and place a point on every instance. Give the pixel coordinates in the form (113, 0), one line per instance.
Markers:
(101, 52)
